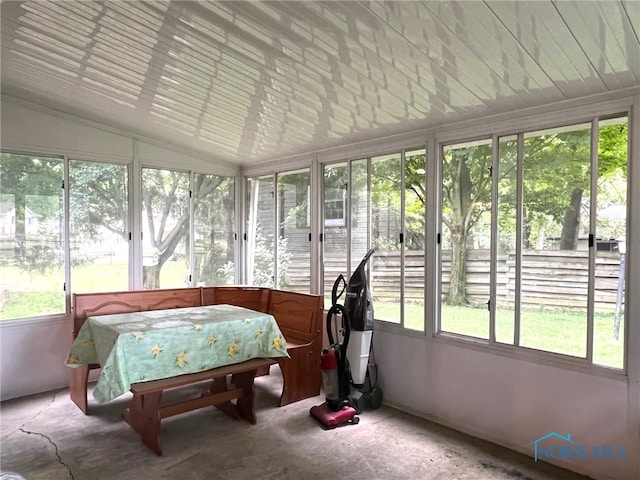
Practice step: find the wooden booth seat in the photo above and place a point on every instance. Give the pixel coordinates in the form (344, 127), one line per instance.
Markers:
(299, 316)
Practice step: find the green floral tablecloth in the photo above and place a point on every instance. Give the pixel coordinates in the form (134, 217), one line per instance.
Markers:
(143, 346)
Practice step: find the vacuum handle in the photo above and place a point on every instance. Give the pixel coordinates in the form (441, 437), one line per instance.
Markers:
(334, 291)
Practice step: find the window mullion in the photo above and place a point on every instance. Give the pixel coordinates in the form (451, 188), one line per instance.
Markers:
(519, 213)
(66, 208)
(593, 203)
(276, 229)
(493, 257)
(192, 229)
(403, 233)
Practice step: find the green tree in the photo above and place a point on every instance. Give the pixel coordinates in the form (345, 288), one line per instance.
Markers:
(466, 191)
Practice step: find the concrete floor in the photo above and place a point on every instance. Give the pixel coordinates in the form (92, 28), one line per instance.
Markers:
(46, 437)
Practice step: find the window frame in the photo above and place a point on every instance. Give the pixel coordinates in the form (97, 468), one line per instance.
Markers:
(489, 344)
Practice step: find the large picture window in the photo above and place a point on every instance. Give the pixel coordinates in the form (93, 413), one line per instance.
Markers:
(543, 267)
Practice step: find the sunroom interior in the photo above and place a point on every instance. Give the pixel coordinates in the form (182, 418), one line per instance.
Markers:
(487, 151)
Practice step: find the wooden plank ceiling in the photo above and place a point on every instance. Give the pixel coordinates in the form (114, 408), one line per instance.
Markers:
(248, 82)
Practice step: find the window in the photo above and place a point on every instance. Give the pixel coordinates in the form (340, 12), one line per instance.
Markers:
(260, 247)
(175, 204)
(99, 227)
(385, 277)
(214, 231)
(187, 231)
(464, 249)
(547, 255)
(386, 211)
(335, 204)
(32, 240)
(294, 241)
(335, 236)
(165, 228)
(279, 209)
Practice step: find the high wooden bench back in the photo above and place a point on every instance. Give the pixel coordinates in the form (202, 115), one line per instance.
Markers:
(254, 298)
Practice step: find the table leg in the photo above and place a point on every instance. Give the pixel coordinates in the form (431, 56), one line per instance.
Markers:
(219, 385)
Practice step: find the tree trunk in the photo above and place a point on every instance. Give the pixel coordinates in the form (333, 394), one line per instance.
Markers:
(151, 277)
(20, 234)
(571, 222)
(457, 283)
(460, 199)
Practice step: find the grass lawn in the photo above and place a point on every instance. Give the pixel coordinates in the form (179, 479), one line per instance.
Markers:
(43, 294)
(550, 330)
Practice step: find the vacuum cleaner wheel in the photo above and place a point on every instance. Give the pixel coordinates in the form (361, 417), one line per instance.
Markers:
(374, 398)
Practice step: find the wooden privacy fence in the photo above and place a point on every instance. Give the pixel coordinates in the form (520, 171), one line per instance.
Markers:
(550, 278)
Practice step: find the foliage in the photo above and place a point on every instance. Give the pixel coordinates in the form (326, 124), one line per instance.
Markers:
(32, 188)
(263, 264)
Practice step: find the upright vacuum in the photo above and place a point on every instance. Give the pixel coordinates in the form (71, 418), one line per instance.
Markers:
(348, 363)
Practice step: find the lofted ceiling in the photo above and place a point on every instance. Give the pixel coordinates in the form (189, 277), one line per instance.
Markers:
(248, 82)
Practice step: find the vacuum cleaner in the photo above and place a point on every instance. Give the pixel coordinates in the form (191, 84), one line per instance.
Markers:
(345, 365)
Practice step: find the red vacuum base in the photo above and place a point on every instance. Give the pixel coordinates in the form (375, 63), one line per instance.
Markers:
(330, 419)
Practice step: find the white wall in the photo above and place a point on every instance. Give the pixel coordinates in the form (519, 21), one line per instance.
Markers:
(32, 355)
(508, 401)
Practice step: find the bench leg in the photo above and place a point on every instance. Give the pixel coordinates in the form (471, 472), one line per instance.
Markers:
(144, 417)
(78, 387)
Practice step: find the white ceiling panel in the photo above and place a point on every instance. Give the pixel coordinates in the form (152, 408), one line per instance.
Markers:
(249, 81)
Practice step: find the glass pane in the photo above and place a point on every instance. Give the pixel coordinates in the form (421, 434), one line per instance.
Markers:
(31, 236)
(214, 231)
(507, 217)
(261, 232)
(466, 237)
(555, 256)
(165, 228)
(360, 233)
(334, 246)
(414, 224)
(386, 225)
(294, 226)
(611, 221)
(99, 227)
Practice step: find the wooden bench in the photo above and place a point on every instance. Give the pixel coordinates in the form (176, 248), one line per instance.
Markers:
(299, 317)
(146, 410)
